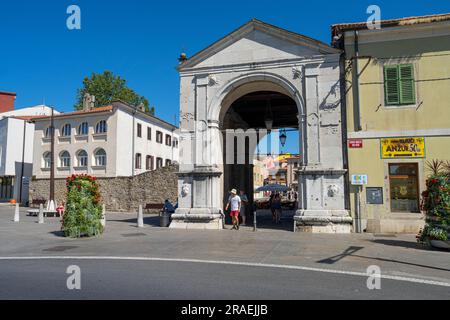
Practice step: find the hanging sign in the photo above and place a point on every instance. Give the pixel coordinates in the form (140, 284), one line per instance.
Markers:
(413, 147)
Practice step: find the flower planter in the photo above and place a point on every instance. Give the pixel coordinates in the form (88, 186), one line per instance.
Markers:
(440, 244)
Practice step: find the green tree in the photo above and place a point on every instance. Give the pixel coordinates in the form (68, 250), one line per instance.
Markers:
(107, 87)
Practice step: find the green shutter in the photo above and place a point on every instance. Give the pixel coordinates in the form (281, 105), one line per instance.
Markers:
(407, 92)
(391, 87)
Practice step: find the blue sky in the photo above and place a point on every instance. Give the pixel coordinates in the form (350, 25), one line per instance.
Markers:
(42, 60)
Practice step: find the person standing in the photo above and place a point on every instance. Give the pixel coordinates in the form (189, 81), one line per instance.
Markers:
(244, 203)
(276, 203)
(234, 203)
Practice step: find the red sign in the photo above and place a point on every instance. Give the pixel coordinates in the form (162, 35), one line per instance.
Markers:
(355, 143)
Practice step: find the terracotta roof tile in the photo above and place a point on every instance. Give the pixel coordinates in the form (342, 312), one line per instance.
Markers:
(76, 113)
(393, 22)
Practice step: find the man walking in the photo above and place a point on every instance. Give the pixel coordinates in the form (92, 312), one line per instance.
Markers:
(234, 201)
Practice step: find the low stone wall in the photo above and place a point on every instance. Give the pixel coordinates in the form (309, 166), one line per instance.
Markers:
(122, 194)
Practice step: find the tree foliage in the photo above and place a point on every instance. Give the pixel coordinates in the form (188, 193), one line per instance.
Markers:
(107, 87)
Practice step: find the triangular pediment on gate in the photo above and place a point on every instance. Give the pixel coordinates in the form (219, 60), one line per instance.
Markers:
(254, 42)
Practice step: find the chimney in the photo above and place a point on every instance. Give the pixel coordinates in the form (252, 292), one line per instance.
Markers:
(141, 107)
(88, 102)
(7, 101)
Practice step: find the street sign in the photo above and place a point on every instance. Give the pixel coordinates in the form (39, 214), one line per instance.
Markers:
(359, 179)
(355, 143)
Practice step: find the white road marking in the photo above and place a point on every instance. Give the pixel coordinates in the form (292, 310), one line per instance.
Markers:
(248, 264)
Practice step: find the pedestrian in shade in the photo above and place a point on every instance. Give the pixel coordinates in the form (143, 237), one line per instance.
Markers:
(234, 202)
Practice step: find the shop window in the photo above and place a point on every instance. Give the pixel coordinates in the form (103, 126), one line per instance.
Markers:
(404, 187)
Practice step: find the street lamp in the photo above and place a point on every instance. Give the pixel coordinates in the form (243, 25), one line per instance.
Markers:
(283, 137)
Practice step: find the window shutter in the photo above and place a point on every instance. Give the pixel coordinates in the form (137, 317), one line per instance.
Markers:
(407, 92)
(391, 87)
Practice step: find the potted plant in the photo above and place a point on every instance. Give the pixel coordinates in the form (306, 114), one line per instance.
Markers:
(436, 206)
(83, 213)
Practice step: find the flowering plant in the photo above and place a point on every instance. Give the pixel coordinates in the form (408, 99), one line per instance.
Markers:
(436, 205)
(83, 211)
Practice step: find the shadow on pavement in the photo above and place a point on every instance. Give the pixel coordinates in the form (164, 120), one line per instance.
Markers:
(351, 250)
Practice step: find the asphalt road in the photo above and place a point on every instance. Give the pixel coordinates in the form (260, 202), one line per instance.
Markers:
(119, 279)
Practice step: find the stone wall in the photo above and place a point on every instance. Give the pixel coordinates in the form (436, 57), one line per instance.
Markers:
(121, 193)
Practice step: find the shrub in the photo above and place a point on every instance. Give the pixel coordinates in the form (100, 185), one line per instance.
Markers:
(83, 211)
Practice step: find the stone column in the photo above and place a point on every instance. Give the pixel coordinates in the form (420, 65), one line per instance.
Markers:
(321, 176)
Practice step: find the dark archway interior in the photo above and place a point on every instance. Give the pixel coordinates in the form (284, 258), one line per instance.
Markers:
(250, 112)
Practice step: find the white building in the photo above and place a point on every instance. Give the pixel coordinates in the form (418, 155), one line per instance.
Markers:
(110, 141)
(16, 158)
(16, 153)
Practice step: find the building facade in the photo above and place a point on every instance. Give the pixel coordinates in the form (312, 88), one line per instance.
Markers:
(267, 68)
(397, 82)
(16, 149)
(16, 158)
(118, 140)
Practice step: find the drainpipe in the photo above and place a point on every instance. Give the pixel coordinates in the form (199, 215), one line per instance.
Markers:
(343, 87)
(133, 156)
(356, 103)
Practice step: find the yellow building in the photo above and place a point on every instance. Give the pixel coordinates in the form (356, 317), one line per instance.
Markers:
(397, 85)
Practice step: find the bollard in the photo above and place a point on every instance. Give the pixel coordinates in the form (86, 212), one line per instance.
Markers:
(16, 213)
(254, 220)
(103, 220)
(140, 218)
(41, 213)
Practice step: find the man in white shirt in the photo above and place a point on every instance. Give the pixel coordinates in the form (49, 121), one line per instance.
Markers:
(234, 201)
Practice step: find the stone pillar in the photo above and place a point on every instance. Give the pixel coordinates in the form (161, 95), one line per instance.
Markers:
(321, 176)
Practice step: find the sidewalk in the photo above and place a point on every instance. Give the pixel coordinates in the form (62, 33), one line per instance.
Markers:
(397, 255)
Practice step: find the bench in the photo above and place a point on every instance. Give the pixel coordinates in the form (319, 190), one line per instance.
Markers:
(46, 213)
(37, 202)
(154, 206)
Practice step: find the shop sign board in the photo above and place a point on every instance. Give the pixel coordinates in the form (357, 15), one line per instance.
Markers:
(394, 148)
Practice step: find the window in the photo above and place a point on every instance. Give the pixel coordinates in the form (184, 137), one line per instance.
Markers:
(65, 130)
(159, 136)
(149, 163)
(404, 187)
(168, 162)
(64, 159)
(149, 133)
(168, 140)
(100, 158)
(159, 163)
(139, 130)
(138, 161)
(48, 132)
(47, 160)
(83, 129)
(82, 158)
(175, 143)
(100, 127)
(399, 85)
